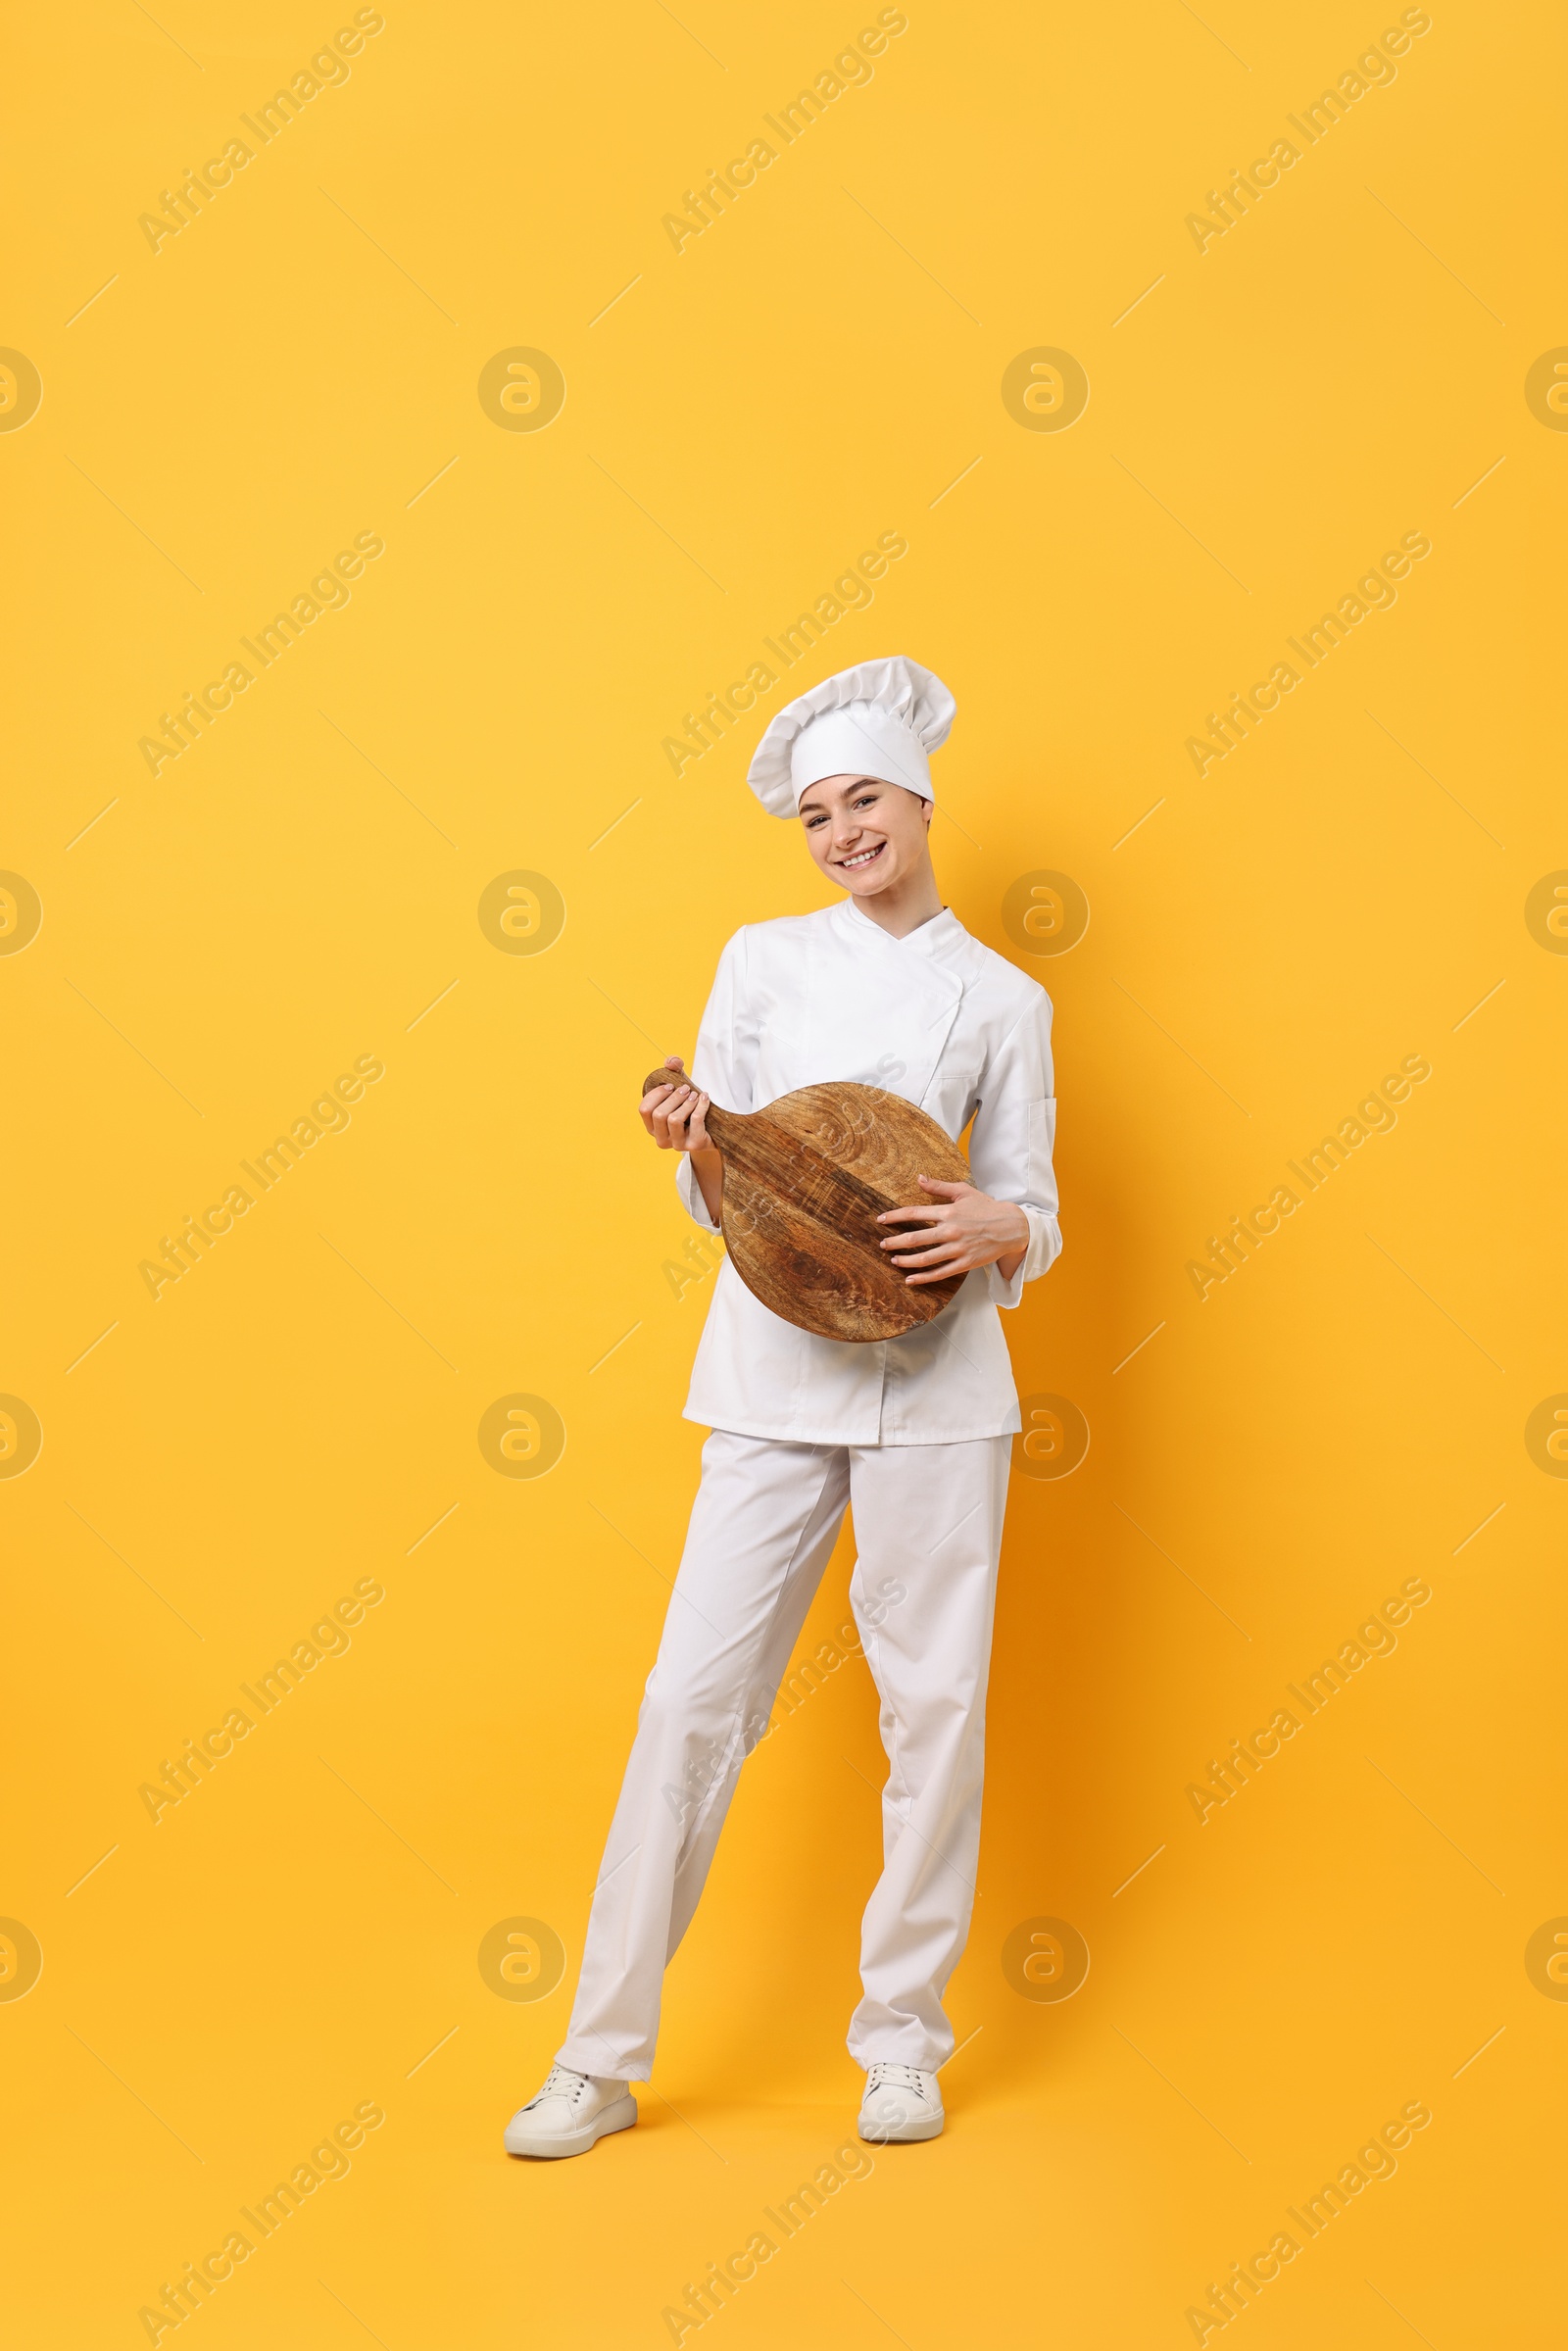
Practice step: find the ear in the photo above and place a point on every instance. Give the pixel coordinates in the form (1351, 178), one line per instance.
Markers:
(928, 810)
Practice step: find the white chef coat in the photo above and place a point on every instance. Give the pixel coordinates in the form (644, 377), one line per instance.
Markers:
(953, 1028)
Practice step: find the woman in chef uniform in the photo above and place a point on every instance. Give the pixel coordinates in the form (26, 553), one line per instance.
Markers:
(886, 987)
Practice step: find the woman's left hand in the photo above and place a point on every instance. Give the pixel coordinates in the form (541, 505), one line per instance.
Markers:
(960, 1230)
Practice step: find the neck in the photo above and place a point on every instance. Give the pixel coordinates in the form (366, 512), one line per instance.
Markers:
(905, 905)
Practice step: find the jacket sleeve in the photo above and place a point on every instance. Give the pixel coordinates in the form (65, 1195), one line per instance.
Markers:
(724, 1060)
(1012, 1141)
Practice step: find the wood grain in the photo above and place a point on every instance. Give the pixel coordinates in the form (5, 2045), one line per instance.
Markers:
(805, 1181)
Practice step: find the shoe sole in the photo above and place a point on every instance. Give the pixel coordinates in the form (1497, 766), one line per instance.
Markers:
(911, 2136)
(549, 2144)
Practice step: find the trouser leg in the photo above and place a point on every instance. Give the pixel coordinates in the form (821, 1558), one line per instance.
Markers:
(927, 1518)
(761, 1530)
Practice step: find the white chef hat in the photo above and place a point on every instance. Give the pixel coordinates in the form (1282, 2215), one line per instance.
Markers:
(879, 718)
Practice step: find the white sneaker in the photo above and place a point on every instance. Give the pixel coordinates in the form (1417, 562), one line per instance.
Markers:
(570, 2114)
(901, 2104)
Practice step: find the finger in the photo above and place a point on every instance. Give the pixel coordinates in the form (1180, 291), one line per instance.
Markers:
(944, 1255)
(653, 1121)
(932, 1232)
(655, 1103)
(933, 1216)
(697, 1133)
(663, 1113)
(678, 1118)
(935, 1184)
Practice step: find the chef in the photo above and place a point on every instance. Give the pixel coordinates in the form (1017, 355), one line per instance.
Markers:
(913, 1434)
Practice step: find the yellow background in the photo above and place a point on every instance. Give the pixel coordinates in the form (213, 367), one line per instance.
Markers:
(299, 889)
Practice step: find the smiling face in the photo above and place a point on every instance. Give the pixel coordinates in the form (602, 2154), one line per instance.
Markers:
(867, 835)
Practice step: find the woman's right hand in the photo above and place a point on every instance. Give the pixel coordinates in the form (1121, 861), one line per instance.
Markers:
(673, 1116)
(673, 1113)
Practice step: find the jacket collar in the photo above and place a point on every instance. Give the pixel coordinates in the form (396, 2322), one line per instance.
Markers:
(931, 939)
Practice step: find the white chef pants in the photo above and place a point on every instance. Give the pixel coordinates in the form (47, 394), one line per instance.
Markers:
(927, 1519)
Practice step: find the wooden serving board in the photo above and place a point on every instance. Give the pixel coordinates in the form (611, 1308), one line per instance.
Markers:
(805, 1181)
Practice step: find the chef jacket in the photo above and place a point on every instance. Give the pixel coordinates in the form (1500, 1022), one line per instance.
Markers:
(953, 1028)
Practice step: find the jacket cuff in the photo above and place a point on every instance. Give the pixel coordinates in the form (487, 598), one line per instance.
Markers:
(1045, 1247)
(691, 1195)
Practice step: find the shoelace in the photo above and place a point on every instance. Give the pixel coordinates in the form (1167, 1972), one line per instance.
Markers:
(561, 2081)
(896, 2077)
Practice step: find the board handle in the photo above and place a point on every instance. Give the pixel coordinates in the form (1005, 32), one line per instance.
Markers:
(665, 1077)
(717, 1121)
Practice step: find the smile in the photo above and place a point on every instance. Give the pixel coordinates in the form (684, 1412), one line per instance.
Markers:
(863, 857)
